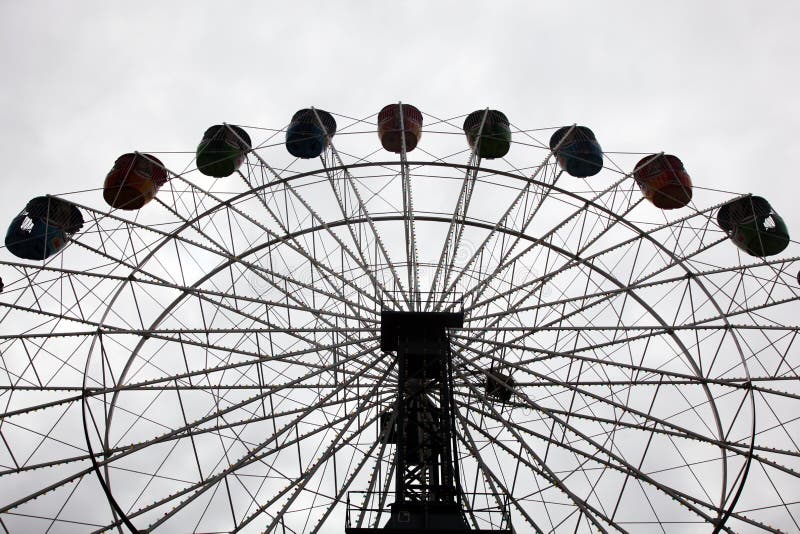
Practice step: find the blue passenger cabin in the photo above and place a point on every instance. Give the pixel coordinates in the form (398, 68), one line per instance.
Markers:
(577, 151)
(43, 228)
(305, 136)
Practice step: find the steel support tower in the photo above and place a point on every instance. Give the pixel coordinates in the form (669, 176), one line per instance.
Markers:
(427, 496)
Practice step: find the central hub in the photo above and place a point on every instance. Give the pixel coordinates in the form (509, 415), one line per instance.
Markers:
(416, 327)
(420, 340)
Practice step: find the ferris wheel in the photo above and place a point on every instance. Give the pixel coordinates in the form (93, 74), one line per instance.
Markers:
(454, 325)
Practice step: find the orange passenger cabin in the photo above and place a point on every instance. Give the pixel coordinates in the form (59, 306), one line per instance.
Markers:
(398, 123)
(133, 181)
(664, 181)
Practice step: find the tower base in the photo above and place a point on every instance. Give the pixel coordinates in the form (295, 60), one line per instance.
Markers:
(426, 517)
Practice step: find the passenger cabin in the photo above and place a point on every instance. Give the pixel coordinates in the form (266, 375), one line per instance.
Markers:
(488, 133)
(307, 137)
(664, 181)
(133, 181)
(387, 418)
(222, 150)
(43, 228)
(398, 122)
(577, 151)
(499, 386)
(753, 226)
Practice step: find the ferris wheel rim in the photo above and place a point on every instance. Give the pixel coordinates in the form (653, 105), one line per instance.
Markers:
(342, 222)
(714, 514)
(348, 222)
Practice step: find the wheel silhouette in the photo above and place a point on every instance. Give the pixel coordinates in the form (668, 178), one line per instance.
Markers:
(211, 361)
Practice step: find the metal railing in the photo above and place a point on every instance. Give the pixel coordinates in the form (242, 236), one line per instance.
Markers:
(482, 511)
(451, 299)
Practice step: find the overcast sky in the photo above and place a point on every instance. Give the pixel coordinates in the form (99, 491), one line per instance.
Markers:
(713, 82)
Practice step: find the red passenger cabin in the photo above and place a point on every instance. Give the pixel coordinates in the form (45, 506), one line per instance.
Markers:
(397, 122)
(133, 181)
(664, 181)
